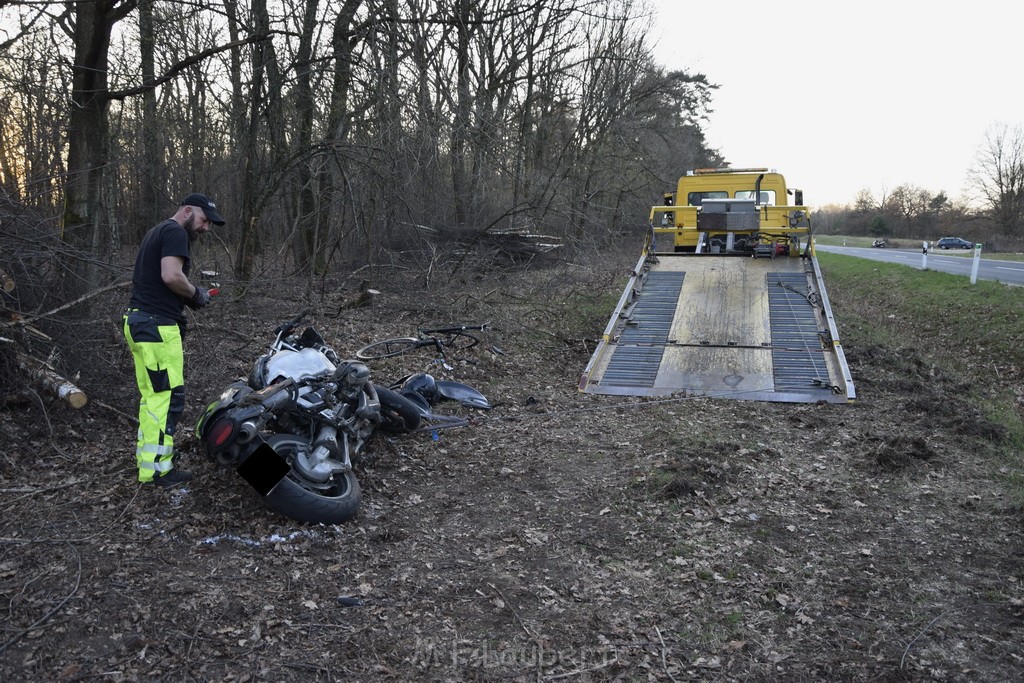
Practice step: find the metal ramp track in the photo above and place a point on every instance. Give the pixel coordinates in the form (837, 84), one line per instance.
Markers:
(736, 328)
(798, 360)
(641, 344)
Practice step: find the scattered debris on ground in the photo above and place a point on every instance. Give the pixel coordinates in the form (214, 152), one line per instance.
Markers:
(559, 537)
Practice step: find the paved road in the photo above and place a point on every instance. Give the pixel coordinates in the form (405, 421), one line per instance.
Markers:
(1008, 272)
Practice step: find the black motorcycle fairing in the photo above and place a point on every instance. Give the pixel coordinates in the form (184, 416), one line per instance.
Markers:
(418, 383)
(425, 391)
(417, 400)
(400, 412)
(310, 339)
(464, 394)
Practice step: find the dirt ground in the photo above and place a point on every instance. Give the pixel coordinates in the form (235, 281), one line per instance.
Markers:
(560, 536)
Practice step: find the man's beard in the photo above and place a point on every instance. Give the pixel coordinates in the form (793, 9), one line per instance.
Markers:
(190, 228)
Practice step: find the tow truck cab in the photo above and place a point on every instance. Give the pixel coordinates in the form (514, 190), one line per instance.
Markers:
(733, 211)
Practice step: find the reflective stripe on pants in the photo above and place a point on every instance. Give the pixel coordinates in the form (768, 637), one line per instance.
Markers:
(159, 373)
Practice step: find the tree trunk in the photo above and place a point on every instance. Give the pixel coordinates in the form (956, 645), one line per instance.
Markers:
(343, 42)
(87, 140)
(309, 220)
(461, 123)
(152, 195)
(253, 169)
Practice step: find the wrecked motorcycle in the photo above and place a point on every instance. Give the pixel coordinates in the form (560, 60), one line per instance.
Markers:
(295, 428)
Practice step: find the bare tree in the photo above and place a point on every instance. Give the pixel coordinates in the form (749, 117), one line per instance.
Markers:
(89, 27)
(26, 22)
(909, 210)
(355, 126)
(997, 176)
(309, 221)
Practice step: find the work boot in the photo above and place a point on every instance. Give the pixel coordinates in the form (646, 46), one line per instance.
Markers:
(172, 478)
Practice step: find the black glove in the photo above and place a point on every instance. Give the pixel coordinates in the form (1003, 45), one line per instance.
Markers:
(200, 299)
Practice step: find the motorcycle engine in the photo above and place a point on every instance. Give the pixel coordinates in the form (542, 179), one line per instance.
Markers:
(351, 378)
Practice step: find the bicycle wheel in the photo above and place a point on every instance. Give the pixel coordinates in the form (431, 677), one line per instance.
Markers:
(460, 341)
(387, 348)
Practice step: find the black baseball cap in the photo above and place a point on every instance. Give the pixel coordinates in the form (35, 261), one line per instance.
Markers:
(204, 203)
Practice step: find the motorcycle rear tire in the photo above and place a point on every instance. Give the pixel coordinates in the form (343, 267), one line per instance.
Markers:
(398, 414)
(301, 500)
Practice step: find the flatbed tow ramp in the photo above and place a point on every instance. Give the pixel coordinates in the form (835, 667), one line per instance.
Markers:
(727, 300)
(742, 328)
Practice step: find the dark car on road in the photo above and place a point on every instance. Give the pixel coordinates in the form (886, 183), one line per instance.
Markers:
(954, 243)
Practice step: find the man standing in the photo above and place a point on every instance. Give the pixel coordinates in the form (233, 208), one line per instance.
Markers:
(154, 325)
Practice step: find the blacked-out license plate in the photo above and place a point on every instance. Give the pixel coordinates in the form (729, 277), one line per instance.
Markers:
(263, 469)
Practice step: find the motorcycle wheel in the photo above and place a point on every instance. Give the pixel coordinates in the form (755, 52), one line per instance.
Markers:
(330, 503)
(398, 414)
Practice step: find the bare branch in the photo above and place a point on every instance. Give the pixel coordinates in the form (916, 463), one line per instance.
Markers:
(96, 292)
(184, 64)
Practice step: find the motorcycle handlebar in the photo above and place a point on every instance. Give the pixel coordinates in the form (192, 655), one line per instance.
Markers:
(285, 329)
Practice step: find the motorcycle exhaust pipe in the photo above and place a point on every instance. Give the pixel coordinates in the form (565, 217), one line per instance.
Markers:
(246, 432)
(225, 458)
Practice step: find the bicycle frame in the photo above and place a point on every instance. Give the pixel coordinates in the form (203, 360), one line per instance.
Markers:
(429, 336)
(483, 327)
(436, 337)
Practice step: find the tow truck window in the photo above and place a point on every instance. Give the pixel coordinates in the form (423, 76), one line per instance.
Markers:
(767, 196)
(697, 198)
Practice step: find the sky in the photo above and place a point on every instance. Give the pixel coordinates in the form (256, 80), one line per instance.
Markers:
(845, 96)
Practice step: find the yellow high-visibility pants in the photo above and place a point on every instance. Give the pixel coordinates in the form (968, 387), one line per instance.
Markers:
(155, 343)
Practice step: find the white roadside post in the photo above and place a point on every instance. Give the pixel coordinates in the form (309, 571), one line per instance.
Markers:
(977, 262)
(924, 256)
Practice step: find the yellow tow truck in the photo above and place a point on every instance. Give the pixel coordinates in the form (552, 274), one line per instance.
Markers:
(726, 301)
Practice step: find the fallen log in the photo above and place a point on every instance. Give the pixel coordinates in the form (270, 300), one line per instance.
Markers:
(51, 381)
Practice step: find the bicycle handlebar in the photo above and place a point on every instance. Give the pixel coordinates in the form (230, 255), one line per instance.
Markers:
(483, 327)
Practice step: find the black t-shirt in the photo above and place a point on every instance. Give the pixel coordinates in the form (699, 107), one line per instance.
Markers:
(149, 293)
